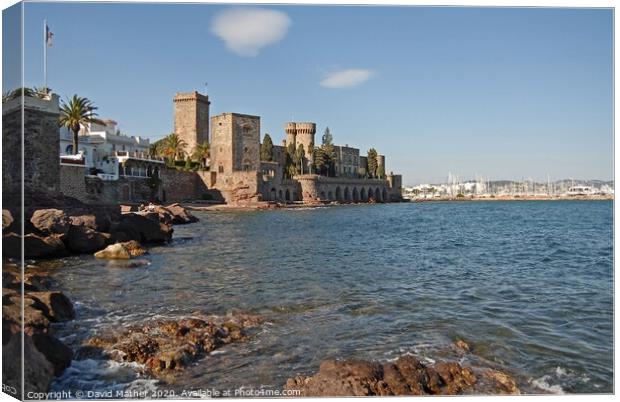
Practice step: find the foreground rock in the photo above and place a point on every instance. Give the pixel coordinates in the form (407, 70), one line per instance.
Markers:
(405, 376)
(121, 251)
(45, 355)
(167, 346)
(180, 215)
(143, 227)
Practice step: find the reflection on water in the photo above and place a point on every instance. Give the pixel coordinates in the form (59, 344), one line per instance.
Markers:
(527, 284)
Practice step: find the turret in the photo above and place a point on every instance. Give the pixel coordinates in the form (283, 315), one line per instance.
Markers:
(291, 133)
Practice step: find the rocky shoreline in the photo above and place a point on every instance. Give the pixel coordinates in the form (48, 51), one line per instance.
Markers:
(74, 228)
(165, 347)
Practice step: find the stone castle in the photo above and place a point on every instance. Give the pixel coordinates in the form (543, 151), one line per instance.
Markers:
(239, 175)
(236, 173)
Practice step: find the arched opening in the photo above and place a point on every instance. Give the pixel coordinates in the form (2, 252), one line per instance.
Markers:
(338, 194)
(272, 195)
(330, 195)
(347, 196)
(295, 196)
(280, 195)
(356, 196)
(288, 195)
(384, 195)
(377, 195)
(125, 193)
(363, 195)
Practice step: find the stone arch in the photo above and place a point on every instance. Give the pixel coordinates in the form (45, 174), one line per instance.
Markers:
(272, 194)
(295, 196)
(288, 195)
(377, 195)
(384, 195)
(330, 195)
(338, 194)
(347, 195)
(280, 196)
(363, 195)
(356, 196)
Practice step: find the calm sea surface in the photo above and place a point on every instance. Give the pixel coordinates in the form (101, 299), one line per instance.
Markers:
(529, 285)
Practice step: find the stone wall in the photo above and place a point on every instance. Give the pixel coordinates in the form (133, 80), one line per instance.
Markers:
(180, 186)
(72, 182)
(41, 137)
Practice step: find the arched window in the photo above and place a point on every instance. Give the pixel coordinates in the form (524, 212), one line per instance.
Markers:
(69, 149)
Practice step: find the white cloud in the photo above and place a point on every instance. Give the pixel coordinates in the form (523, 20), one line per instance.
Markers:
(247, 30)
(346, 78)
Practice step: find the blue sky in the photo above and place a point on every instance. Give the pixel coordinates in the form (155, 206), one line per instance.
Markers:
(502, 92)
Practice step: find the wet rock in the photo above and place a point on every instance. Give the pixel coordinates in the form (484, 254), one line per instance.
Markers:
(50, 221)
(142, 227)
(462, 345)
(121, 251)
(180, 214)
(167, 346)
(82, 239)
(56, 352)
(406, 376)
(56, 306)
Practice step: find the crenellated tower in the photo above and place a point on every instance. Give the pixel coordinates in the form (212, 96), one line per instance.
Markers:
(191, 118)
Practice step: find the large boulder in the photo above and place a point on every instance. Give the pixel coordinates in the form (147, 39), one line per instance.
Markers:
(121, 251)
(7, 218)
(82, 239)
(35, 246)
(55, 305)
(180, 215)
(406, 376)
(50, 221)
(142, 227)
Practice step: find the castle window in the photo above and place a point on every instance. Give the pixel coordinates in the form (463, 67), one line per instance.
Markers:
(220, 169)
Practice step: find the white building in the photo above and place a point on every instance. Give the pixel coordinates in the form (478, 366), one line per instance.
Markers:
(104, 148)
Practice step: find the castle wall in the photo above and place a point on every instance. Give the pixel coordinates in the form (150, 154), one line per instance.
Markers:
(315, 189)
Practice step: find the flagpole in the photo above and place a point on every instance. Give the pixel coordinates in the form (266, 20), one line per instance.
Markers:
(45, 54)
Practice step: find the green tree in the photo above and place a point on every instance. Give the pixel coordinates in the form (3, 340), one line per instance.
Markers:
(372, 163)
(289, 167)
(173, 147)
(380, 172)
(319, 161)
(266, 149)
(327, 137)
(76, 112)
(201, 153)
(299, 159)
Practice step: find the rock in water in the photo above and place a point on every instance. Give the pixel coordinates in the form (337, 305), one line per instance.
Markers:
(142, 227)
(82, 239)
(406, 376)
(121, 251)
(50, 221)
(181, 215)
(166, 346)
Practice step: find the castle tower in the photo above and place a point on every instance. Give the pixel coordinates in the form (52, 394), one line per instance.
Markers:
(291, 134)
(191, 118)
(305, 137)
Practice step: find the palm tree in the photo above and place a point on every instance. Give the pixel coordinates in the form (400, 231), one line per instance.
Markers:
(173, 147)
(201, 153)
(76, 112)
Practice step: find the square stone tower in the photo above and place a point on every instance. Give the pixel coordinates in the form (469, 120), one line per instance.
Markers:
(235, 143)
(191, 118)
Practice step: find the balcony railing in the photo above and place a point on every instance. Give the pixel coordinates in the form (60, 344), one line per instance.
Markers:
(138, 155)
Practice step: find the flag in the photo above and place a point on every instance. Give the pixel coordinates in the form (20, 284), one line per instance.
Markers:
(48, 35)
